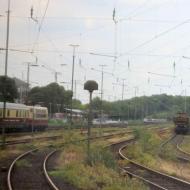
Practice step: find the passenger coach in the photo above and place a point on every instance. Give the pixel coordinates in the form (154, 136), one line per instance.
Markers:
(19, 117)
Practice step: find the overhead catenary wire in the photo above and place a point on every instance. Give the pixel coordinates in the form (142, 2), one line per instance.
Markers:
(40, 24)
(157, 36)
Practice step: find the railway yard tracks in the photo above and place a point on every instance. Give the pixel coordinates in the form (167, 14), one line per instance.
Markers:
(39, 161)
(155, 179)
(176, 141)
(26, 172)
(29, 140)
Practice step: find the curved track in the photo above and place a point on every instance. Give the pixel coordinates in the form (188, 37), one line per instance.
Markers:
(182, 154)
(176, 140)
(115, 147)
(37, 158)
(41, 158)
(49, 180)
(155, 179)
(29, 140)
(28, 174)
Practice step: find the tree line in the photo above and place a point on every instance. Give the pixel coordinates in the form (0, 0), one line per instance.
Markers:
(56, 99)
(155, 106)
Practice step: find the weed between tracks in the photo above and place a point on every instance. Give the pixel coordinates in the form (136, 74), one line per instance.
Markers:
(145, 148)
(147, 152)
(100, 174)
(185, 145)
(23, 163)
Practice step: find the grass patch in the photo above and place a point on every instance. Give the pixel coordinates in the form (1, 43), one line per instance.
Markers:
(23, 163)
(185, 145)
(99, 177)
(100, 174)
(146, 148)
(168, 153)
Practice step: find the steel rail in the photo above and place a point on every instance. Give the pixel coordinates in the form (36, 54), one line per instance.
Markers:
(183, 152)
(28, 140)
(152, 170)
(143, 179)
(9, 184)
(130, 173)
(14, 142)
(50, 182)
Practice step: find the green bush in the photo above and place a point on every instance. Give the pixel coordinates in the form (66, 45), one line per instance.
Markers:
(98, 154)
(100, 175)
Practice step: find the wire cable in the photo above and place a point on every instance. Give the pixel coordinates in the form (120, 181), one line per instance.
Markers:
(41, 23)
(157, 36)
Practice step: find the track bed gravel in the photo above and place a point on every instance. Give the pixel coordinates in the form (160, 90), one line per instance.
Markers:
(4, 165)
(59, 182)
(28, 172)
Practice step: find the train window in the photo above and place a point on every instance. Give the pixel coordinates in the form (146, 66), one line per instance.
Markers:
(1, 113)
(8, 113)
(16, 113)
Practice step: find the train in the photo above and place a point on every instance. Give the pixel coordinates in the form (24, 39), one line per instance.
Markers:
(20, 117)
(181, 121)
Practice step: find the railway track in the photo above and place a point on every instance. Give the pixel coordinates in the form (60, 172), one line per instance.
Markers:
(29, 140)
(55, 184)
(37, 158)
(155, 179)
(25, 171)
(185, 156)
(176, 140)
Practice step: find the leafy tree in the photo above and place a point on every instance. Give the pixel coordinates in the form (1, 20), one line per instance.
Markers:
(52, 95)
(77, 104)
(155, 106)
(8, 89)
(96, 104)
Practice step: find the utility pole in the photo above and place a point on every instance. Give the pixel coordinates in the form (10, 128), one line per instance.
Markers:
(122, 97)
(123, 85)
(74, 46)
(115, 35)
(75, 89)
(135, 112)
(50, 110)
(185, 106)
(29, 64)
(54, 72)
(6, 65)
(102, 83)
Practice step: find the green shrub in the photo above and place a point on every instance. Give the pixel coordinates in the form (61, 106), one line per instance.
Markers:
(23, 163)
(100, 175)
(98, 154)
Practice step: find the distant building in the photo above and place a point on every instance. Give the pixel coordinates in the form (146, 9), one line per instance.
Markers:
(154, 121)
(22, 88)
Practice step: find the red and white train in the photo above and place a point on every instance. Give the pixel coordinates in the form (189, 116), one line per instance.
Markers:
(19, 117)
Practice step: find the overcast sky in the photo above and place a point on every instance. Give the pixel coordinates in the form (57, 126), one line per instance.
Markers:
(150, 39)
